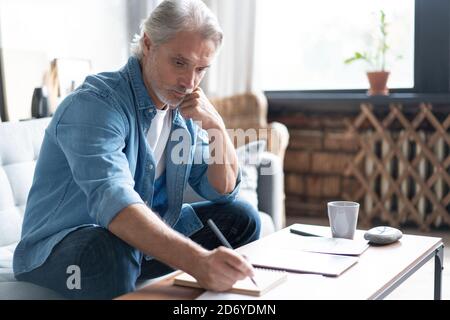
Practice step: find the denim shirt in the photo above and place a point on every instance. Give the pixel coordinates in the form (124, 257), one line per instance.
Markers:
(95, 161)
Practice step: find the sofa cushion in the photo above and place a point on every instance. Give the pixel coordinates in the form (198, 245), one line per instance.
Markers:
(20, 178)
(18, 290)
(10, 226)
(249, 157)
(6, 256)
(267, 225)
(11, 289)
(19, 149)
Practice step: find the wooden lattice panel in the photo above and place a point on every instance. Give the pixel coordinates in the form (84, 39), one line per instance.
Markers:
(402, 166)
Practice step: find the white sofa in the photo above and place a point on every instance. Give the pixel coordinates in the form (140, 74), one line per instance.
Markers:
(19, 148)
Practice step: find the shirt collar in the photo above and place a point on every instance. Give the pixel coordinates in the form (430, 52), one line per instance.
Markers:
(143, 99)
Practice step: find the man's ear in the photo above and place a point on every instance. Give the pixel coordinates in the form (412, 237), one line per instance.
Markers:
(147, 44)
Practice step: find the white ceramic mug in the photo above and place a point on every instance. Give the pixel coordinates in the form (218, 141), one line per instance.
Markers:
(343, 216)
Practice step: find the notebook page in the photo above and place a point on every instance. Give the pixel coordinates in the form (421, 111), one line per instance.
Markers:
(302, 261)
(332, 245)
(265, 279)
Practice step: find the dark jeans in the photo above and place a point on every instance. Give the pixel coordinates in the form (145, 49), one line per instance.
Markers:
(109, 267)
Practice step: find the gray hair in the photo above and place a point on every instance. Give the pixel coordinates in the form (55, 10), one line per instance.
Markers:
(173, 16)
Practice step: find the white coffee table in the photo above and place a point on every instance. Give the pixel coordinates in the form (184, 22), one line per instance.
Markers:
(379, 271)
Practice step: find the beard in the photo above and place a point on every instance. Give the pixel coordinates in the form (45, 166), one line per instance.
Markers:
(171, 96)
(166, 95)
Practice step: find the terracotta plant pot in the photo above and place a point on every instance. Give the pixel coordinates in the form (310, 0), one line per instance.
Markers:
(378, 81)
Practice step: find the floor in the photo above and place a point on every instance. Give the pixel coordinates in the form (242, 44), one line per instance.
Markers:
(421, 284)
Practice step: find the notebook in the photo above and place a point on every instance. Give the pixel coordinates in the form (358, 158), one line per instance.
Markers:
(266, 280)
(329, 245)
(302, 261)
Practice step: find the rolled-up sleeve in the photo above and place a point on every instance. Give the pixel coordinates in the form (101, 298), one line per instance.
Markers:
(92, 134)
(198, 178)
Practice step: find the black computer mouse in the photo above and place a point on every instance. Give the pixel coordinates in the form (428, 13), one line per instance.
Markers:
(383, 235)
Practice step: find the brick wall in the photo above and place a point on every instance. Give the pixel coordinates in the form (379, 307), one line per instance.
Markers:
(318, 152)
(402, 163)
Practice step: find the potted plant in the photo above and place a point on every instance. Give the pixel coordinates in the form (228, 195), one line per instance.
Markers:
(378, 76)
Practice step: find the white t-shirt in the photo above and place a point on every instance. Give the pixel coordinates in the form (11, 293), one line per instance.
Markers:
(157, 137)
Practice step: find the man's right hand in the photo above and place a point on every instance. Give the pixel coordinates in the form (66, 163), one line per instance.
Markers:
(219, 269)
(214, 270)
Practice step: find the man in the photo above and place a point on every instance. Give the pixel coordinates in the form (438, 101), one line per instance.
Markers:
(106, 200)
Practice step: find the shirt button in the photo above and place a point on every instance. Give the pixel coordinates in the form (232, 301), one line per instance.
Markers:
(150, 167)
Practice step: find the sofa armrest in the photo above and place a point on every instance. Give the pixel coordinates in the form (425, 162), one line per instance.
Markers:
(249, 111)
(277, 139)
(270, 188)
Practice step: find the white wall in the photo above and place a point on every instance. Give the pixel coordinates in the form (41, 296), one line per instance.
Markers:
(33, 32)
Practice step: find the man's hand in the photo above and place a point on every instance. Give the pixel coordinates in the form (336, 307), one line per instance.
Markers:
(223, 170)
(197, 107)
(219, 269)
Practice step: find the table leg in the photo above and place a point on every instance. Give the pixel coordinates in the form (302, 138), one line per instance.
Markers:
(438, 266)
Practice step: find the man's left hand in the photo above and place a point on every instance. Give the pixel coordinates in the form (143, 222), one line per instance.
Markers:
(197, 107)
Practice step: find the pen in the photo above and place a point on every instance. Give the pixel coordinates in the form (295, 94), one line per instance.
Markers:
(223, 240)
(302, 233)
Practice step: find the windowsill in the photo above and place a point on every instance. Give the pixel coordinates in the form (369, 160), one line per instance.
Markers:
(282, 102)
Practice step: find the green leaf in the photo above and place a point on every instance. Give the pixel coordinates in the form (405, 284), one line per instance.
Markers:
(376, 59)
(349, 60)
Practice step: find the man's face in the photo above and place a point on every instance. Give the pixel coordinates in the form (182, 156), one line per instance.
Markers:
(175, 68)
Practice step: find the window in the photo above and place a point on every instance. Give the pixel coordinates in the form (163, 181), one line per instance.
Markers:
(33, 33)
(302, 44)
